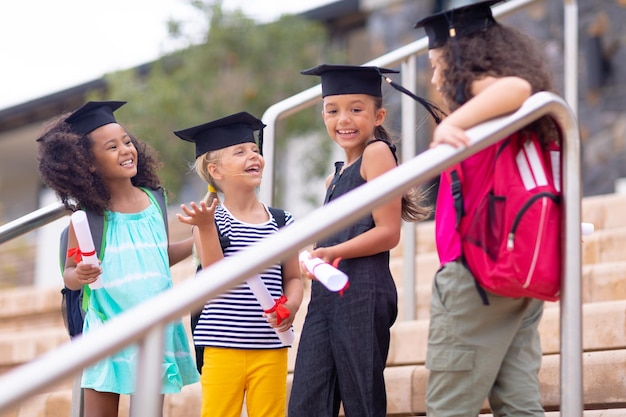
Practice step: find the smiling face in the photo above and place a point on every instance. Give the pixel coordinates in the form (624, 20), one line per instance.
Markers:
(350, 119)
(115, 155)
(240, 164)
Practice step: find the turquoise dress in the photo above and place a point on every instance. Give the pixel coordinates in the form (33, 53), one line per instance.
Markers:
(136, 267)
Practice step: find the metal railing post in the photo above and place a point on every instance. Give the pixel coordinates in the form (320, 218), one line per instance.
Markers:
(409, 150)
(145, 402)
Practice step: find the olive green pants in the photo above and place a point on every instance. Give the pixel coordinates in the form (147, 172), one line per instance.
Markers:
(478, 352)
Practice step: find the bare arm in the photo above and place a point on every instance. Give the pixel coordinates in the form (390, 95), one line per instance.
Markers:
(293, 289)
(377, 159)
(205, 233)
(177, 251)
(75, 275)
(493, 97)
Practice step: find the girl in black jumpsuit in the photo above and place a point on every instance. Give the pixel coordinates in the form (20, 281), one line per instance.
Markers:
(345, 339)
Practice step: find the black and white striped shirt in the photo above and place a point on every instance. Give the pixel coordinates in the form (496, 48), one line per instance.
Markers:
(235, 319)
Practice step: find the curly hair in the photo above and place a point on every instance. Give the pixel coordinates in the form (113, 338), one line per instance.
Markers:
(499, 51)
(66, 161)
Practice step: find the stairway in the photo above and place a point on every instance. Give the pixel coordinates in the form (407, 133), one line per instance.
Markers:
(31, 324)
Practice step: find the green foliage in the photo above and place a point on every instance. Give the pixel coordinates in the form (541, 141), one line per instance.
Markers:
(241, 66)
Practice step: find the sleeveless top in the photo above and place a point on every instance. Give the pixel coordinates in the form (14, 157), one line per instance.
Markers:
(136, 267)
(367, 275)
(235, 318)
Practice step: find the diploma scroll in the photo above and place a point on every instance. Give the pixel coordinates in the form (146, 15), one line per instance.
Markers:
(85, 243)
(267, 303)
(331, 277)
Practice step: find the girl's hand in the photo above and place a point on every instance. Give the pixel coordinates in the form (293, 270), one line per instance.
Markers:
(449, 134)
(325, 254)
(198, 215)
(87, 273)
(285, 323)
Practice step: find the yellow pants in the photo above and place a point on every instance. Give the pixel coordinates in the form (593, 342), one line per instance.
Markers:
(228, 374)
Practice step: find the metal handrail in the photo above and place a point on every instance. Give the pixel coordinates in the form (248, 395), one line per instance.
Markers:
(32, 221)
(311, 96)
(144, 323)
(406, 56)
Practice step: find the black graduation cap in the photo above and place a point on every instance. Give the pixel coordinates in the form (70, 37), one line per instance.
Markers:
(349, 79)
(459, 22)
(221, 133)
(92, 115)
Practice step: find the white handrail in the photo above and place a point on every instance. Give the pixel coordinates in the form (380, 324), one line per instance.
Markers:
(145, 322)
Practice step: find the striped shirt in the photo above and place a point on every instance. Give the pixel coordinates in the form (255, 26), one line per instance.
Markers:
(235, 319)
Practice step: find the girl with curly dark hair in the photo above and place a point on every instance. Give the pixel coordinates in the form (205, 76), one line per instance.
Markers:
(479, 348)
(93, 163)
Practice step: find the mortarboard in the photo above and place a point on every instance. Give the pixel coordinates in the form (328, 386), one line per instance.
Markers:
(459, 22)
(348, 79)
(92, 115)
(227, 131)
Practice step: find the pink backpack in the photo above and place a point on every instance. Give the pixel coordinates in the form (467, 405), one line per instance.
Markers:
(512, 241)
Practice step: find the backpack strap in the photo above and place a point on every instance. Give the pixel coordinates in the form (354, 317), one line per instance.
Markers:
(278, 215)
(98, 225)
(455, 177)
(159, 197)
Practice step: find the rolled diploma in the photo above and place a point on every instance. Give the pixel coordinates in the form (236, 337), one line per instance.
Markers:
(331, 277)
(267, 302)
(586, 228)
(85, 242)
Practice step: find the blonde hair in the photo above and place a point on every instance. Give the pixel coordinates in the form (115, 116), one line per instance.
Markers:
(202, 169)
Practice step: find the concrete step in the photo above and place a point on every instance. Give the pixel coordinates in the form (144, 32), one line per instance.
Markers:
(604, 281)
(604, 385)
(621, 412)
(604, 343)
(604, 245)
(604, 211)
(424, 238)
(17, 348)
(30, 307)
(603, 329)
(187, 404)
(58, 403)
